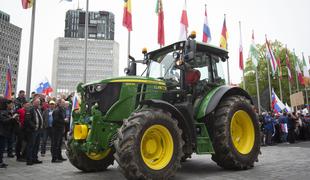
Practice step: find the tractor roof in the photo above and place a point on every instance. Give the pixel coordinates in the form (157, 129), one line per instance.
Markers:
(200, 47)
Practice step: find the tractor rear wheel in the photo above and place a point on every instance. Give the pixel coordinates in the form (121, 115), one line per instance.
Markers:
(235, 134)
(89, 162)
(149, 145)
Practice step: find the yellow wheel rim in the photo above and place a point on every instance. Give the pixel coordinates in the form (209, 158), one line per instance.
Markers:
(156, 147)
(242, 132)
(98, 156)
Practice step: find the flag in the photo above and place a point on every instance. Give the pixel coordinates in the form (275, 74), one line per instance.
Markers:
(279, 66)
(288, 66)
(240, 50)
(206, 29)
(127, 18)
(75, 106)
(277, 104)
(27, 3)
(305, 67)
(161, 27)
(224, 35)
(299, 73)
(184, 23)
(75, 102)
(8, 82)
(44, 87)
(253, 51)
(271, 57)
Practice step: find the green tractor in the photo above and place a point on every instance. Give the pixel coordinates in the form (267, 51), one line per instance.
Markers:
(150, 124)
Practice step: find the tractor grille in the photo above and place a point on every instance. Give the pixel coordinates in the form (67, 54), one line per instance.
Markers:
(103, 94)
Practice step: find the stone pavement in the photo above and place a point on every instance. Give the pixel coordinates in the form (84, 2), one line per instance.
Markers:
(283, 161)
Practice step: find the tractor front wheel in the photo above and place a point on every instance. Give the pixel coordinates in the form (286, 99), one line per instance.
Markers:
(149, 145)
(235, 134)
(89, 162)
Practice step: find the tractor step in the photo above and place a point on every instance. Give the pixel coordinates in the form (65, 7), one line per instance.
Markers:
(204, 144)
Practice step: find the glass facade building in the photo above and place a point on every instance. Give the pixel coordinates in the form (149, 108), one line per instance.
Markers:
(10, 40)
(68, 62)
(100, 24)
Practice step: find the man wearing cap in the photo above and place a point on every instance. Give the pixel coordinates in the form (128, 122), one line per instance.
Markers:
(47, 126)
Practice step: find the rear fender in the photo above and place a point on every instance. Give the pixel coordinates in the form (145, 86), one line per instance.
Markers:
(212, 99)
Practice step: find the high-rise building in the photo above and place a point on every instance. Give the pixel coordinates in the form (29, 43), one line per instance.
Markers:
(68, 62)
(100, 24)
(10, 39)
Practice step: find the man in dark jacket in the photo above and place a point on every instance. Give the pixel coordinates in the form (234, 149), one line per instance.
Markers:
(7, 121)
(47, 126)
(33, 126)
(58, 130)
(20, 100)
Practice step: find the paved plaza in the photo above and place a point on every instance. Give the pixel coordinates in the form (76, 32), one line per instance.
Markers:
(283, 161)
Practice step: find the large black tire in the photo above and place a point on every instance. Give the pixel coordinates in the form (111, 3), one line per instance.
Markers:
(226, 154)
(130, 137)
(81, 161)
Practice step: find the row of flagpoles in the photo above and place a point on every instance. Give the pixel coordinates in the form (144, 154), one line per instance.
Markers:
(127, 22)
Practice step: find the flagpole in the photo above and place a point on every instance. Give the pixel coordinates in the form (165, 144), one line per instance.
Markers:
(306, 89)
(128, 50)
(86, 38)
(242, 55)
(280, 86)
(257, 91)
(29, 71)
(296, 75)
(228, 75)
(269, 84)
(289, 85)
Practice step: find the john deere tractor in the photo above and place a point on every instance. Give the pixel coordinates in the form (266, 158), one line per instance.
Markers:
(151, 123)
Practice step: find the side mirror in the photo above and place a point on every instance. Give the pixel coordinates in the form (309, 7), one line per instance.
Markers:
(190, 48)
(131, 70)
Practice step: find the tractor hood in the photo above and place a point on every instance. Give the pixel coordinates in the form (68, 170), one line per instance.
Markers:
(129, 79)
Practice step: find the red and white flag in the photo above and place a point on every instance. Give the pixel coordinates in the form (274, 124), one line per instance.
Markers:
(161, 27)
(271, 57)
(184, 23)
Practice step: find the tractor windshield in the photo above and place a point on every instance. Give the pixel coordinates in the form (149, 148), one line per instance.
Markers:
(165, 69)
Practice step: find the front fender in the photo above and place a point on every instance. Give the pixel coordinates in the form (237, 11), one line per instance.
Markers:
(211, 100)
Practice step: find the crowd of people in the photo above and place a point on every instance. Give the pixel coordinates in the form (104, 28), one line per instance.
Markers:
(27, 125)
(284, 127)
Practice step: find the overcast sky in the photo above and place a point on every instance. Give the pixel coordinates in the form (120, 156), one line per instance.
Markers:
(284, 20)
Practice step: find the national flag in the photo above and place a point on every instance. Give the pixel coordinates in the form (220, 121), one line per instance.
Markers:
(271, 57)
(27, 3)
(240, 50)
(206, 29)
(299, 73)
(184, 23)
(127, 16)
(305, 67)
(253, 51)
(279, 66)
(161, 27)
(8, 82)
(75, 106)
(277, 104)
(44, 87)
(288, 66)
(224, 35)
(75, 102)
